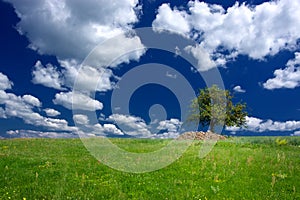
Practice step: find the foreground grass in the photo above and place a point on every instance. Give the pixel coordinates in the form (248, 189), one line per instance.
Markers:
(242, 168)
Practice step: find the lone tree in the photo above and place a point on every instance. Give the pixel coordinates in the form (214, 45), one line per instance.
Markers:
(213, 106)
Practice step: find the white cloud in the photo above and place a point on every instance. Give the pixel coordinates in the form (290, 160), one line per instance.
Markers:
(131, 125)
(87, 78)
(31, 100)
(168, 74)
(288, 77)
(76, 100)
(5, 83)
(194, 70)
(85, 127)
(256, 31)
(81, 119)
(172, 125)
(120, 49)
(172, 20)
(3, 96)
(94, 74)
(2, 113)
(166, 135)
(22, 107)
(111, 128)
(71, 29)
(205, 16)
(105, 129)
(239, 89)
(135, 126)
(101, 117)
(39, 134)
(296, 133)
(169, 129)
(47, 75)
(205, 62)
(55, 124)
(258, 125)
(51, 112)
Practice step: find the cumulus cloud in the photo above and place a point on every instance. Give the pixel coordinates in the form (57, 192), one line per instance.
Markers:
(76, 100)
(103, 130)
(172, 125)
(23, 108)
(86, 78)
(81, 119)
(27, 108)
(119, 49)
(205, 61)
(71, 29)
(2, 113)
(97, 129)
(94, 74)
(111, 128)
(60, 28)
(131, 125)
(137, 127)
(171, 20)
(47, 75)
(31, 100)
(5, 83)
(258, 125)
(55, 124)
(51, 112)
(168, 129)
(239, 89)
(288, 77)
(296, 133)
(255, 31)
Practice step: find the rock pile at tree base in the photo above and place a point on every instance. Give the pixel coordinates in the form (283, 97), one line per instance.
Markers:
(200, 135)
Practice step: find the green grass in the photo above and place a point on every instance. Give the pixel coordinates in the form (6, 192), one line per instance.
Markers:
(238, 168)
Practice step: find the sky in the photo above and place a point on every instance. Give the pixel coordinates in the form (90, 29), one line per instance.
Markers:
(130, 68)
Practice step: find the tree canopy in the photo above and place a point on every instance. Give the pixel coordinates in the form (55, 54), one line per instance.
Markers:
(214, 107)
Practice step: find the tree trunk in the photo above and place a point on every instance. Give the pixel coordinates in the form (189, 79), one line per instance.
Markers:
(212, 126)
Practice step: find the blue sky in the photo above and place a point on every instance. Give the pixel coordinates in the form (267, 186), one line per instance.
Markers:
(90, 68)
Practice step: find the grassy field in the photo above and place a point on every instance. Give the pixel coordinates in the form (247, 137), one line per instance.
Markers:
(238, 168)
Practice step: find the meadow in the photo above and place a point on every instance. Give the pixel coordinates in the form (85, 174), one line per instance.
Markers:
(236, 168)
